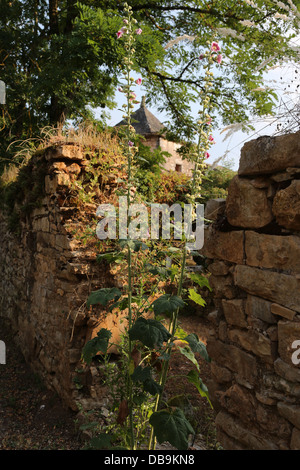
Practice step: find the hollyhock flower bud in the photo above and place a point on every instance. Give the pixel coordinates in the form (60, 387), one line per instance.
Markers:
(130, 143)
(138, 81)
(125, 21)
(219, 58)
(201, 56)
(206, 155)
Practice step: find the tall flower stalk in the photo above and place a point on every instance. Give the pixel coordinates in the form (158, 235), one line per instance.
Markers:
(198, 157)
(128, 31)
(147, 343)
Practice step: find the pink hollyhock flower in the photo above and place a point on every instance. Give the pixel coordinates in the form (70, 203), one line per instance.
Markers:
(120, 33)
(211, 139)
(138, 31)
(125, 21)
(138, 81)
(215, 47)
(206, 155)
(130, 143)
(219, 58)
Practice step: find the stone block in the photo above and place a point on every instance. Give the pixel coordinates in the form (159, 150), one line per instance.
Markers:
(219, 268)
(259, 308)
(239, 401)
(221, 374)
(246, 205)
(288, 332)
(268, 155)
(284, 369)
(279, 288)
(214, 208)
(286, 206)
(65, 151)
(290, 412)
(295, 441)
(246, 438)
(272, 251)
(234, 312)
(222, 286)
(232, 357)
(284, 312)
(254, 342)
(226, 246)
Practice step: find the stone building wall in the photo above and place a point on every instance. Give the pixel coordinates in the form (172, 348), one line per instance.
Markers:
(253, 250)
(47, 271)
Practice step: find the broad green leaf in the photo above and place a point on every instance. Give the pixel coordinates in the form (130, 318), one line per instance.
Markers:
(180, 333)
(195, 297)
(171, 426)
(139, 399)
(159, 270)
(150, 332)
(103, 296)
(135, 245)
(95, 345)
(114, 257)
(195, 379)
(188, 353)
(197, 346)
(201, 280)
(143, 375)
(167, 303)
(121, 304)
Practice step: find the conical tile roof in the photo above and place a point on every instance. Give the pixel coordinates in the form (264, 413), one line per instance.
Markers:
(143, 121)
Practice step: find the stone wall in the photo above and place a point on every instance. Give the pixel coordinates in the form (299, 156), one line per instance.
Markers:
(253, 250)
(48, 269)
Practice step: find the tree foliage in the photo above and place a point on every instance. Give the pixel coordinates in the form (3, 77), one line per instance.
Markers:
(61, 58)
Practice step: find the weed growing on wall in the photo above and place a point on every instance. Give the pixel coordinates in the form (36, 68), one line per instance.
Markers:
(157, 287)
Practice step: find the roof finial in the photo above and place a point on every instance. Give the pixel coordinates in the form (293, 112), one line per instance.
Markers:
(143, 103)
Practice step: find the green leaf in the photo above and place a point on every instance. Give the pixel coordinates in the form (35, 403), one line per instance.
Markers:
(195, 379)
(103, 296)
(195, 297)
(202, 281)
(171, 426)
(95, 345)
(143, 375)
(135, 245)
(114, 257)
(150, 332)
(197, 346)
(188, 353)
(167, 303)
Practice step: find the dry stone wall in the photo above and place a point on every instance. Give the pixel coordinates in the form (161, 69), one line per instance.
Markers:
(49, 268)
(253, 250)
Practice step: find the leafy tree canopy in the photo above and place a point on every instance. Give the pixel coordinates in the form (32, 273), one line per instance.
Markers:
(61, 58)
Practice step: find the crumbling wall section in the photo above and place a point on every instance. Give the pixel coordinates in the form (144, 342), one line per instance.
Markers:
(253, 250)
(48, 267)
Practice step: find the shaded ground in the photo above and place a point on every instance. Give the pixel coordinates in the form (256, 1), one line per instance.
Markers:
(33, 418)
